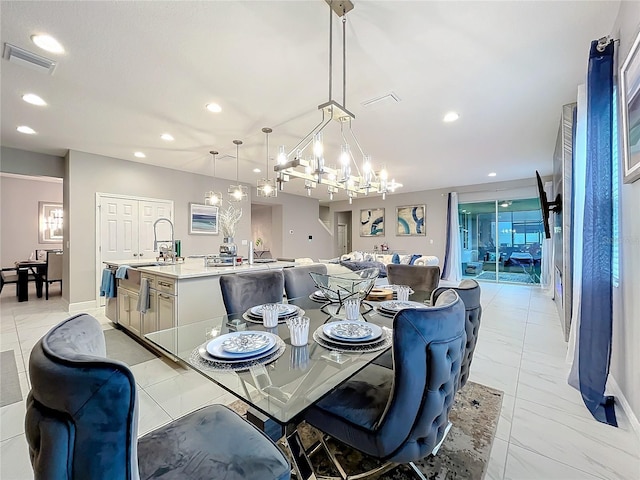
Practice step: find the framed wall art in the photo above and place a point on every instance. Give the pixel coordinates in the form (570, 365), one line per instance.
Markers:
(372, 222)
(203, 219)
(51, 221)
(630, 110)
(411, 220)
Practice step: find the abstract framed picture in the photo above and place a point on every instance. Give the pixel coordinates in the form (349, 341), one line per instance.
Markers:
(203, 219)
(372, 222)
(411, 220)
(630, 110)
(51, 220)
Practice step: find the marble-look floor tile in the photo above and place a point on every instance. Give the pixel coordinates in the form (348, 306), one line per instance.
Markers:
(576, 441)
(497, 460)
(182, 394)
(9, 339)
(543, 305)
(544, 339)
(523, 464)
(503, 430)
(498, 348)
(15, 464)
(12, 419)
(154, 371)
(151, 415)
(493, 374)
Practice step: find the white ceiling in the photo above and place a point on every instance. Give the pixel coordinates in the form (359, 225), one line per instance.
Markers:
(134, 70)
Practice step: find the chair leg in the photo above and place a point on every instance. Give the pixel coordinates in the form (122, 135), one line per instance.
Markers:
(46, 290)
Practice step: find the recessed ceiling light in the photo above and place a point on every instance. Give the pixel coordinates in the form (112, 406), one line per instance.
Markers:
(492, 174)
(48, 43)
(139, 155)
(214, 107)
(25, 129)
(167, 137)
(256, 170)
(451, 117)
(33, 99)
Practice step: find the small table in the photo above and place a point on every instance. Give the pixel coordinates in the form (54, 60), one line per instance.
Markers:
(39, 269)
(282, 390)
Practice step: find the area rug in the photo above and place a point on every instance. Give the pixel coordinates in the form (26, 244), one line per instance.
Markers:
(506, 277)
(121, 346)
(10, 391)
(463, 455)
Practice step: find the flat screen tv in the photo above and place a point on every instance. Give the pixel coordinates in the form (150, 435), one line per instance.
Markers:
(547, 206)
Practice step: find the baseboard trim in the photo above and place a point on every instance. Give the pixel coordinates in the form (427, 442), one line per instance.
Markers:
(626, 407)
(81, 306)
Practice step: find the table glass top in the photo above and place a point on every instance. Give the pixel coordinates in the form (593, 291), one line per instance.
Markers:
(285, 387)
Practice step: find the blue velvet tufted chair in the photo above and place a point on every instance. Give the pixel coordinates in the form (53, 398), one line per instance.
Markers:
(401, 415)
(469, 293)
(82, 422)
(298, 282)
(245, 290)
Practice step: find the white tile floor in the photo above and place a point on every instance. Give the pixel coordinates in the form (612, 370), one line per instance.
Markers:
(545, 432)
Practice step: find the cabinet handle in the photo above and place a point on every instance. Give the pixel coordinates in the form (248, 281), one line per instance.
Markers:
(165, 284)
(135, 254)
(162, 295)
(141, 254)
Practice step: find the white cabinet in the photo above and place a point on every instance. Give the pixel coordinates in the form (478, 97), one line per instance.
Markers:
(166, 311)
(128, 315)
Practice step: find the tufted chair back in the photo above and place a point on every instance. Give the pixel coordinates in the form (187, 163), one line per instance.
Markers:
(245, 290)
(419, 277)
(469, 293)
(298, 282)
(428, 347)
(81, 420)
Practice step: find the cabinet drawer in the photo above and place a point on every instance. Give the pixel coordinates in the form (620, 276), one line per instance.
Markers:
(165, 285)
(152, 279)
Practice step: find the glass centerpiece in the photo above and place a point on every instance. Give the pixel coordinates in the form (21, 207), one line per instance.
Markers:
(340, 287)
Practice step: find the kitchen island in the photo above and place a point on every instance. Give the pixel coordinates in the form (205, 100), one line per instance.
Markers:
(178, 294)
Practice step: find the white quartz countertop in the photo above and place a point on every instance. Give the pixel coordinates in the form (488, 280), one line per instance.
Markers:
(194, 267)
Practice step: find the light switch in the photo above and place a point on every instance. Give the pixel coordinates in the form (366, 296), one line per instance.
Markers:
(431, 241)
(244, 242)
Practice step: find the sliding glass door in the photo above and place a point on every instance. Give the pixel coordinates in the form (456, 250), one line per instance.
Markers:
(501, 240)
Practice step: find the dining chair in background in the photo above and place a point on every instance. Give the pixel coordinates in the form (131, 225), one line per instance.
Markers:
(401, 415)
(53, 272)
(241, 291)
(298, 282)
(82, 422)
(469, 292)
(419, 277)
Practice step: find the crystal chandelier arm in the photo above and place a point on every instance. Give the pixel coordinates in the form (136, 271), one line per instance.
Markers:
(309, 136)
(350, 151)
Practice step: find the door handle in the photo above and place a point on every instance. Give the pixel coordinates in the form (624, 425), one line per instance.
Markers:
(141, 254)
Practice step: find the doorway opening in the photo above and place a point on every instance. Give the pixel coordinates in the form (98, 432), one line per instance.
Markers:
(502, 240)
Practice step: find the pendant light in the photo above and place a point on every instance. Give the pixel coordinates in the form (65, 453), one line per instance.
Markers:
(212, 197)
(267, 187)
(238, 192)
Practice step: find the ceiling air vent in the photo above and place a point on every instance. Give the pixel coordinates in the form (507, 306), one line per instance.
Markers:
(386, 99)
(28, 59)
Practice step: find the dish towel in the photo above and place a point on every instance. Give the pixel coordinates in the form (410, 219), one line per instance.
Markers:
(121, 272)
(108, 285)
(143, 296)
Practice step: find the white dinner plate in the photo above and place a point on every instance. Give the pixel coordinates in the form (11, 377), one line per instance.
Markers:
(202, 350)
(284, 309)
(261, 341)
(393, 306)
(349, 330)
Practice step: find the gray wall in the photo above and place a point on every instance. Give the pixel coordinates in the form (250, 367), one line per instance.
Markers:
(19, 197)
(23, 162)
(625, 358)
(261, 225)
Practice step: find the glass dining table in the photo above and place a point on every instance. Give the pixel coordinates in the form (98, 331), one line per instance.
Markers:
(279, 391)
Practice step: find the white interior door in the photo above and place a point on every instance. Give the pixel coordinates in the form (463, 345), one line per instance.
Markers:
(149, 213)
(342, 239)
(119, 229)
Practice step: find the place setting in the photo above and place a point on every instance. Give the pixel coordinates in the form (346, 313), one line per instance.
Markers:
(389, 308)
(399, 292)
(238, 350)
(271, 314)
(352, 336)
(319, 296)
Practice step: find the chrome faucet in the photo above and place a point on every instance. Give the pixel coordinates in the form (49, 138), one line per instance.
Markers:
(166, 253)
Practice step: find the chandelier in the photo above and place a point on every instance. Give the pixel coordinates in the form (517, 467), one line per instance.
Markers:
(238, 192)
(313, 168)
(212, 197)
(267, 187)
